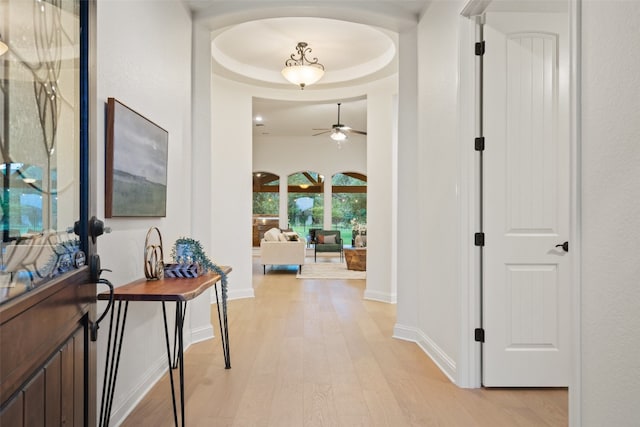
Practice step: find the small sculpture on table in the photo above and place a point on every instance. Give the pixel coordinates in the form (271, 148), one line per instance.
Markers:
(153, 256)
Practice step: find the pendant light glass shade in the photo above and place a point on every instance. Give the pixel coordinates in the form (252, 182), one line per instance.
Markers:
(3, 48)
(302, 75)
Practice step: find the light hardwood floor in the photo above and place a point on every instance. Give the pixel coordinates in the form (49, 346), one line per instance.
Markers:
(314, 353)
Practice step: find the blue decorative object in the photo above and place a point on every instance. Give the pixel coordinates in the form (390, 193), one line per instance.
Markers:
(63, 259)
(188, 250)
(182, 270)
(184, 253)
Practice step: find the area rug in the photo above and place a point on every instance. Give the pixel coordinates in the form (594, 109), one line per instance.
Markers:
(329, 270)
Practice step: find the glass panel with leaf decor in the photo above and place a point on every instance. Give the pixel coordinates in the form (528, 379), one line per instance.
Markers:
(39, 142)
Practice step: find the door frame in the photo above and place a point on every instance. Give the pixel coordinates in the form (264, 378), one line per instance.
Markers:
(469, 363)
(68, 299)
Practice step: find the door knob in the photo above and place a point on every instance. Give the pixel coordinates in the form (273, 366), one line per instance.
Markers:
(564, 246)
(96, 228)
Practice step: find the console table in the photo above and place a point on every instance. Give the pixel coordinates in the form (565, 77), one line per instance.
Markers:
(164, 290)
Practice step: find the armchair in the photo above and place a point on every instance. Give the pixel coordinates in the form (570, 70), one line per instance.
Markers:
(327, 241)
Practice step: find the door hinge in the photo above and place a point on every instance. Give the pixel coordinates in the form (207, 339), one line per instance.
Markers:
(479, 334)
(480, 48)
(479, 143)
(479, 239)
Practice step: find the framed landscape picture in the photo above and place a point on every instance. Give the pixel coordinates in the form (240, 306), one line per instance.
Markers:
(136, 164)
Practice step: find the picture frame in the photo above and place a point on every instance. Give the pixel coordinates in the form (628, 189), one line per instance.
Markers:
(135, 164)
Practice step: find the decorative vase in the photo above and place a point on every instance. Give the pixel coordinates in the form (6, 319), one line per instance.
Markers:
(184, 253)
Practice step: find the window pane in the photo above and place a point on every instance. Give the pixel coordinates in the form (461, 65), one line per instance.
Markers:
(306, 201)
(349, 205)
(39, 141)
(266, 194)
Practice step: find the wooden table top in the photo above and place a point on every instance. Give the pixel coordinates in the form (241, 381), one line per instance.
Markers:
(165, 289)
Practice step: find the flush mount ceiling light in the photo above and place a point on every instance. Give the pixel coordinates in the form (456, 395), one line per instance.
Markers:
(300, 70)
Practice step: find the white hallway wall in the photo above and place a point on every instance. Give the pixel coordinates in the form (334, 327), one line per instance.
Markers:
(134, 41)
(428, 297)
(439, 157)
(286, 155)
(610, 266)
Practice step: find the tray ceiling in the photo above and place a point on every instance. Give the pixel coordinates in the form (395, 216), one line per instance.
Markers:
(351, 53)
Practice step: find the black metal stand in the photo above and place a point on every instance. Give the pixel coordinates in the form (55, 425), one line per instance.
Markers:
(112, 362)
(224, 335)
(175, 361)
(180, 313)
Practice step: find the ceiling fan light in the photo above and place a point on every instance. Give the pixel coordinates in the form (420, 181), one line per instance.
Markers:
(302, 75)
(338, 135)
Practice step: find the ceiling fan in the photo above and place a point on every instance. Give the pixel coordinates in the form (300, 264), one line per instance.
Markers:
(338, 130)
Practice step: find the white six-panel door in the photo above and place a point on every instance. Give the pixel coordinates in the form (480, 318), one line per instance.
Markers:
(526, 200)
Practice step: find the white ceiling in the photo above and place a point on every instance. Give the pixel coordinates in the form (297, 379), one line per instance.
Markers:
(395, 15)
(295, 118)
(351, 53)
(254, 51)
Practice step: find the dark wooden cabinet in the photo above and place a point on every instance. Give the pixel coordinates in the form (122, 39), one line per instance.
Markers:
(261, 224)
(47, 361)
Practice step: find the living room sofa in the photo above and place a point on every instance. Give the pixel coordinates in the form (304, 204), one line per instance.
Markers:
(282, 248)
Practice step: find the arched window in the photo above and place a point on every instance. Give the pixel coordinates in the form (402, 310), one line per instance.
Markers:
(266, 193)
(266, 204)
(349, 204)
(306, 201)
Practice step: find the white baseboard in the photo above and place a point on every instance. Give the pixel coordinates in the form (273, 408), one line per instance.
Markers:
(202, 334)
(446, 364)
(235, 294)
(128, 401)
(380, 296)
